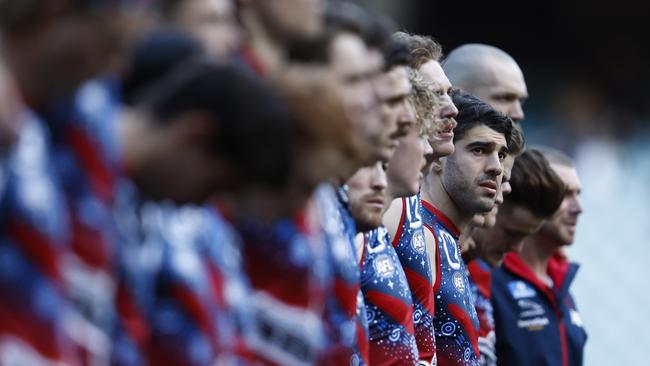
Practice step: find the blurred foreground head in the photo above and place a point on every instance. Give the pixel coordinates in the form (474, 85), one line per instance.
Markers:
(212, 22)
(53, 46)
(208, 128)
(284, 21)
(370, 71)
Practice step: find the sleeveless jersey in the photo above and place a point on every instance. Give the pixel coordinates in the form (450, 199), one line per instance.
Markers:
(389, 303)
(341, 306)
(409, 243)
(182, 295)
(455, 320)
(289, 274)
(57, 241)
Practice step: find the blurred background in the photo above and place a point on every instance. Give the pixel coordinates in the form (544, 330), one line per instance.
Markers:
(587, 66)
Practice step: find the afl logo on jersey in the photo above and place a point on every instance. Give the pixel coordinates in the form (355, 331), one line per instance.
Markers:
(417, 242)
(459, 282)
(384, 267)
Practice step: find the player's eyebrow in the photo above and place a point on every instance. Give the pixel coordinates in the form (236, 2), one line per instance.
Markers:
(488, 145)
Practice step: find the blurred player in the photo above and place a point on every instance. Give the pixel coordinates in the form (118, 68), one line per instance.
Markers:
(56, 225)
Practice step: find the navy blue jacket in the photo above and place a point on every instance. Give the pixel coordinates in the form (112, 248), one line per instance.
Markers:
(536, 325)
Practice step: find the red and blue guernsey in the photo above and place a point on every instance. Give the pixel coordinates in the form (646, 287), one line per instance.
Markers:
(480, 282)
(57, 248)
(389, 303)
(409, 243)
(455, 321)
(536, 323)
(290, 275)
(341, 308)
(182, 295)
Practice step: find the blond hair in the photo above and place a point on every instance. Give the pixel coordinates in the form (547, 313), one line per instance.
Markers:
(426, 104)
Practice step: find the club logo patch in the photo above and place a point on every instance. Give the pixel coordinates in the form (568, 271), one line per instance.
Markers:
(417, 242)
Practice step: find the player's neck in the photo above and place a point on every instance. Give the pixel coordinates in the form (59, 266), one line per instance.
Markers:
(434, 193)
(537, 253)
(267, 49)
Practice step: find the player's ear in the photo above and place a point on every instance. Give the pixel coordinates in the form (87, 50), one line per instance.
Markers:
(437, 166)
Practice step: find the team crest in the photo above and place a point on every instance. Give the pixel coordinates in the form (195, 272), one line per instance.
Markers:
(459, 282)
(384, 267)
(417, 242)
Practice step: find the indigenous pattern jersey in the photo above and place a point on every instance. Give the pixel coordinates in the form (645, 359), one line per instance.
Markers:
(455, 321)
(341, 307)
(480, 283)
(411, 249)
(536, 323)
(349, 228)
(57, 242)
(389, 303)
(290, 275)
(182, 295)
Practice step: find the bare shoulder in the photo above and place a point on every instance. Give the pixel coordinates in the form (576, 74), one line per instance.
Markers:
(432, 250)
(359, 246)
(393, 216)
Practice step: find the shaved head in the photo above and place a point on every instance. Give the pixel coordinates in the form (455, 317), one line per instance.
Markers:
(472, 65)
(489, 73)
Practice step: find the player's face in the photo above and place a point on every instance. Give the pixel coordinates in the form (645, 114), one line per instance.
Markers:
(398, 115)
(408, 165)
(507, 92)
(70, 49)
(292, 19)
(443, 140)
(472, 174)
(367, 195)
(512, 226)
(562, 226)
(213, 23)
(489, 219)
(357, 68)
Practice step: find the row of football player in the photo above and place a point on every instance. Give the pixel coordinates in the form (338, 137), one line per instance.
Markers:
(352, 202)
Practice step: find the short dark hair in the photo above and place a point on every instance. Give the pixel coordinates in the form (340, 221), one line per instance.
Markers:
(255, 126)
(535, 186)
(422, 48)
(517, 140)
(473, 112)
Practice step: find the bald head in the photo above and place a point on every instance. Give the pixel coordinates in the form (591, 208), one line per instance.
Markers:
(489, 73)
